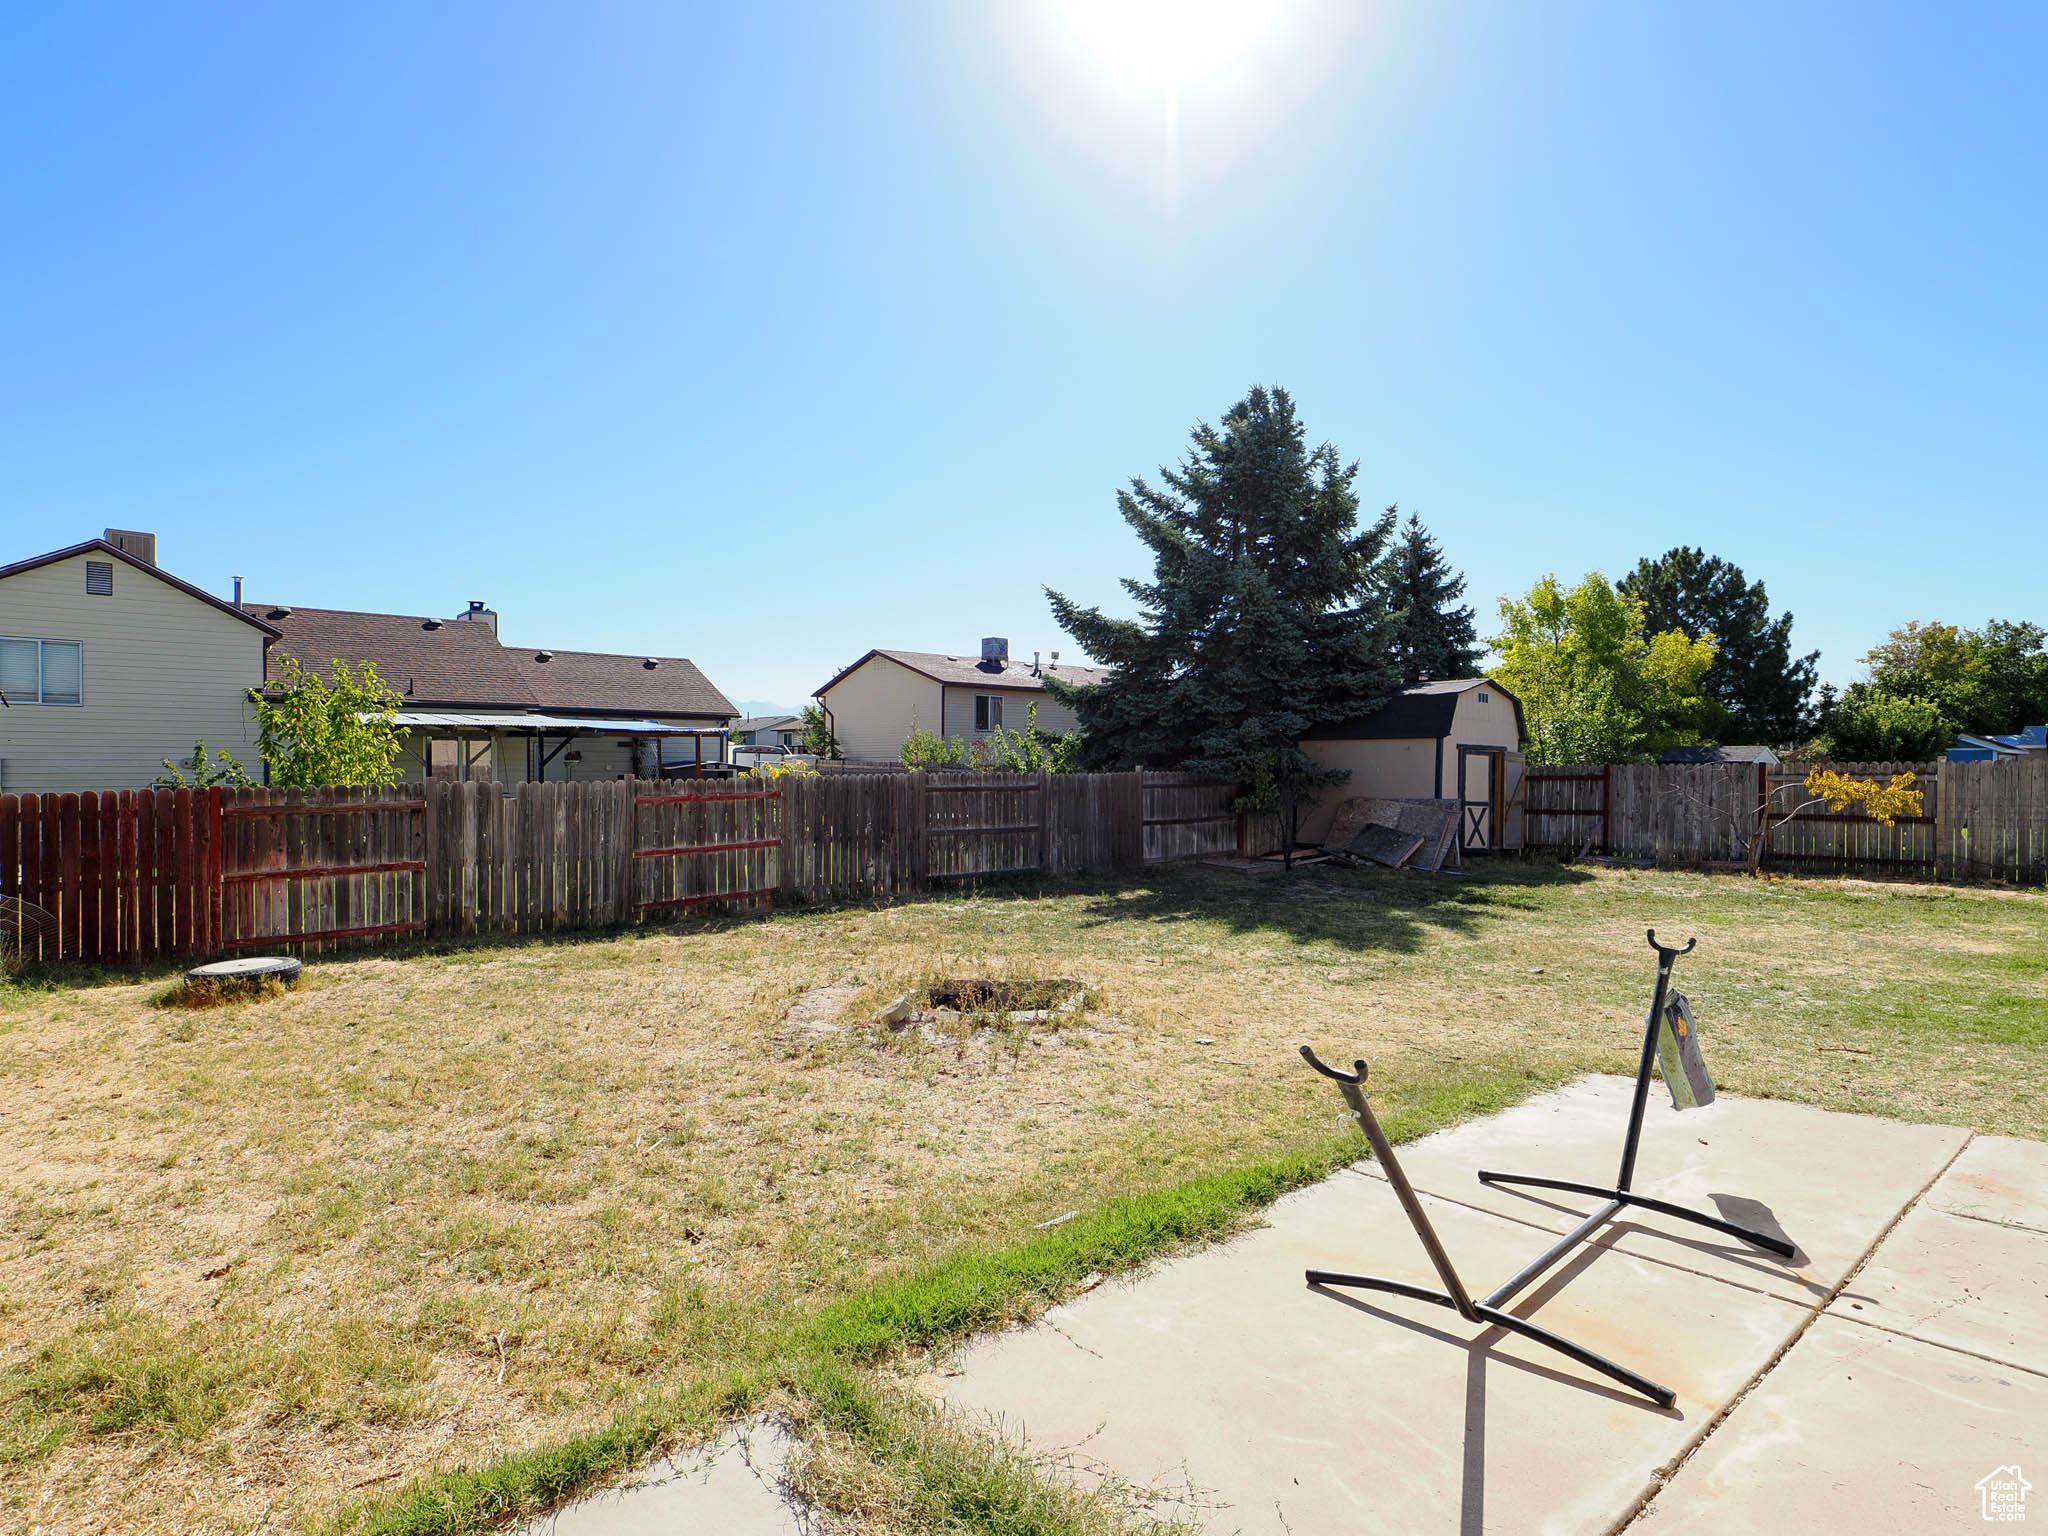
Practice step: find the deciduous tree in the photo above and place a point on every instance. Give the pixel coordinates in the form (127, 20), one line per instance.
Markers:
(340, 729)
(1594, 687)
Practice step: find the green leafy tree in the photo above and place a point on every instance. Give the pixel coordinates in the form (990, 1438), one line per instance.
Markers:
(817, 731)
(315, 731)
(928, 749)
(1032, 750)
(1755, 678)
(1265, 615)
(1927, 682)
(1594, 687)
(1871, 727)
(1430, 634)
(224, 769)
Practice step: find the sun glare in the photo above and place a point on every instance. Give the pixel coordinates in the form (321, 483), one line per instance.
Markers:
(1163, 45)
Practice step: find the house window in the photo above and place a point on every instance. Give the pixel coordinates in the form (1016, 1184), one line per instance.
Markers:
(1482, 697)
(988, 712)
(99, 578)
(42, 671)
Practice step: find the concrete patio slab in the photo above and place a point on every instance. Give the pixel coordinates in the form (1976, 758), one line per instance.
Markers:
(1929, 1371)
(1812, 1176)
(1971, 1281)
(1247, 1402)
(732, 1486)
(1251, 1404)
(1859, 1430)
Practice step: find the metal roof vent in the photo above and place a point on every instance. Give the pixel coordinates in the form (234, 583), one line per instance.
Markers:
(430, 624)
(278, 613)
(543, 655)
(996, 649)
(651, 663)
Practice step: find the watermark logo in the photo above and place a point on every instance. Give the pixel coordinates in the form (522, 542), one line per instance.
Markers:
(2004, 1493)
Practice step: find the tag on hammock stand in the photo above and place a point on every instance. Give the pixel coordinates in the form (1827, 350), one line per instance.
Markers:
(1678, 1056)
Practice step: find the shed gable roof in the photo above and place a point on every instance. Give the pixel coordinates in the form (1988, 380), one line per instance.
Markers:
(1423, 711)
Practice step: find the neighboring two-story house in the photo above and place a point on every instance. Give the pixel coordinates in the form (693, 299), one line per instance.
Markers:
(883, 697)
(109, 665)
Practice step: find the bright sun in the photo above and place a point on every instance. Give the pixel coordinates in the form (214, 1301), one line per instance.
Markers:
(1163, 45)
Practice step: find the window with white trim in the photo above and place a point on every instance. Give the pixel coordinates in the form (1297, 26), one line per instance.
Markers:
(41, 671)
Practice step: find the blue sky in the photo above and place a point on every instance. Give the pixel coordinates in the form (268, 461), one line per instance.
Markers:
(765, 334)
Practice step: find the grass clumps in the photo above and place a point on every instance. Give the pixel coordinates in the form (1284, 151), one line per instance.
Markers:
(199, 992)
(883, 1459)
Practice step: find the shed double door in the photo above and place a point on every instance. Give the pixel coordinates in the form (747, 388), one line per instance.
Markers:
(1489, 798)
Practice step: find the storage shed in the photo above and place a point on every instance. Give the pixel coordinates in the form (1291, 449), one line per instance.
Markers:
(1459, 739)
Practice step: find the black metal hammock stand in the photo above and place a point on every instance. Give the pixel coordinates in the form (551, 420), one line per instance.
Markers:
(1489, 1308)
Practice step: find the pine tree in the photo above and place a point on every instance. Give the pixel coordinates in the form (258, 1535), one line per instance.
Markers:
(1431, 634)
(1263, 618)
(1755, 677)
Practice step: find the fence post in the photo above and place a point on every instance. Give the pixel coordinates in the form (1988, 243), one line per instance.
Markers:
(1045, 828)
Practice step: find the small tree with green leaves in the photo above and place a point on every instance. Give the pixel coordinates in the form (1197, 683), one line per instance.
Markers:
(818, 738)
(223, 769)
(317, 731)
(1032, 750)
(923, 749)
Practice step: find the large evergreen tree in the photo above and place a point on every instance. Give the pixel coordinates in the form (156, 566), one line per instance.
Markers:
(1264, 616)
(1755, 677)
(1430, 634)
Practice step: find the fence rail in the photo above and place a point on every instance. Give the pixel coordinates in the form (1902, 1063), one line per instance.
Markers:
(138, 875)
(1978, 821)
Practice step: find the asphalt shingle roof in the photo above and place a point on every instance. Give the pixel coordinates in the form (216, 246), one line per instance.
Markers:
(459, 663)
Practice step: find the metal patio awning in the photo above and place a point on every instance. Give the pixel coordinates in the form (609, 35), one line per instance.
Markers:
(537, 725)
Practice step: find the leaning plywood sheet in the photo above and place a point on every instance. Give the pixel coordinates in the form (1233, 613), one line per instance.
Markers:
(1384, 845)
(1434, 821)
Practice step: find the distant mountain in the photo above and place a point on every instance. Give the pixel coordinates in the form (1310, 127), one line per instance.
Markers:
(754, 709)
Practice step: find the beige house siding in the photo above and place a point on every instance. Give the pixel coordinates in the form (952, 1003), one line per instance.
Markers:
(161, 669)
(603, 757)
(878, 704)
(1406, 768)
(1488, 724)
(1052, 716)
(1399, 770)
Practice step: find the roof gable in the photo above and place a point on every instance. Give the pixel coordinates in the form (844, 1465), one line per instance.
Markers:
(971, 672)
(115, 552)
(1422, 711)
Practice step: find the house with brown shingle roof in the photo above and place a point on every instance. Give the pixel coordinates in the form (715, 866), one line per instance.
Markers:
(883, 697)
(475, 708)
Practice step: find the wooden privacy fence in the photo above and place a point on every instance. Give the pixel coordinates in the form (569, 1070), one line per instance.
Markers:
(139, 875)
(1978, 821)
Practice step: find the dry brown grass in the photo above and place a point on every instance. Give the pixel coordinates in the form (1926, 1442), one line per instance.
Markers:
(436, 1206)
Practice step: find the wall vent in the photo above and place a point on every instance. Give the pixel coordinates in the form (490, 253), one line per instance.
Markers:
(99, 578)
